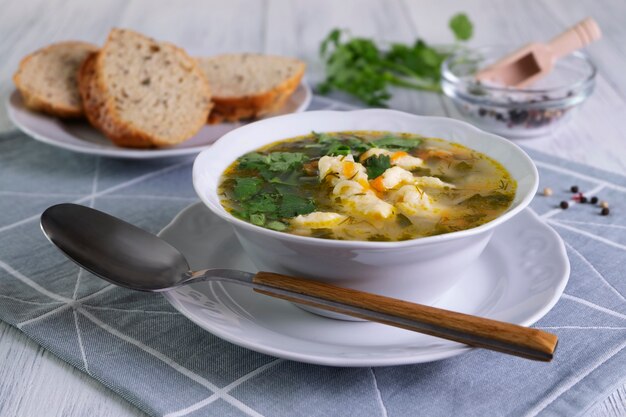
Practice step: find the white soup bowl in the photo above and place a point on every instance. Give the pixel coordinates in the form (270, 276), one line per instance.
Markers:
(418, 270)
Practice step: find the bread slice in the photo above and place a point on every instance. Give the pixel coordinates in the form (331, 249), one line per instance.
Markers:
(142, 93)
(47, 78)
(250, 85)
(93, 99)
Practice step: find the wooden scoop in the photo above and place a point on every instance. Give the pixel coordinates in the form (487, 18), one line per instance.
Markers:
(535, 60)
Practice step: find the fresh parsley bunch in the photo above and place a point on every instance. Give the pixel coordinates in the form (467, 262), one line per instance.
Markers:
(360, 68)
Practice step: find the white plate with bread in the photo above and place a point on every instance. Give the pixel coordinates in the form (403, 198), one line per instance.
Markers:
(139, 98)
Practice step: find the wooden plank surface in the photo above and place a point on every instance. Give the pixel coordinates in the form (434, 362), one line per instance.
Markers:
(33, 382)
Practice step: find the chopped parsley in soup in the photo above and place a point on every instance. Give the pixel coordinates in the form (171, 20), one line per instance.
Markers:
(366, 185)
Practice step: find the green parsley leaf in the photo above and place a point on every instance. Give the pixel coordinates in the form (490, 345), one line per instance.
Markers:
(333, 145)
(379, 238)
(258, 219)
(461, 26)
(246, 187)
(323, 138)
(376, 165)
(253, 160)
(263, 203)
(287, 178)
(323, 233)
(276, 225)
(418, 63)
(332, 38)
(274, 161)
(403, 221)
(294, 205)
(397, 143)
(488, 202)
(338, 148)
(284, 161)
(463, 167)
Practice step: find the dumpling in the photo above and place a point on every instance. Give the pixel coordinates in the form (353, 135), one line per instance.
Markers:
(368, 205)
(337, 168)
(346, 188)
(391, 178)
(318, 220)
(406, 161)
(432, 182)
(360, 201)
(411, 200)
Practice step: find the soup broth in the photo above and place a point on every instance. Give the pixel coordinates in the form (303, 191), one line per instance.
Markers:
(366, 185)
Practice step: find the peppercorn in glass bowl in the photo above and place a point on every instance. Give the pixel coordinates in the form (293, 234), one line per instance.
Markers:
(512, 112)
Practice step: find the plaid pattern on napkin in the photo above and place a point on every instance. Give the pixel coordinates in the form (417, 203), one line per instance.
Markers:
(140, 347)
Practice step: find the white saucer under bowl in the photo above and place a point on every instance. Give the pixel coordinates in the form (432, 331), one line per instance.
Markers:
(80, 136)
(518, 278)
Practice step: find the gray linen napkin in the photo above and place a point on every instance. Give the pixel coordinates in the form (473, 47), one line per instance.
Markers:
(141, 348)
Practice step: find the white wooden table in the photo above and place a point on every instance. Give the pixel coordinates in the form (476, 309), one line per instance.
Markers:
(33, 382)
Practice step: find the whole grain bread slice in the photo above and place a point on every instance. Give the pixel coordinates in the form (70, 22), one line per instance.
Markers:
(47, 81)
(143, 93)
(248, 86)
(94, 105)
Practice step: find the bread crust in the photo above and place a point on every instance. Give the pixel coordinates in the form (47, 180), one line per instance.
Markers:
(94, 105)
(87, 92)
(232, 109)
(104, 115)
(33, 99)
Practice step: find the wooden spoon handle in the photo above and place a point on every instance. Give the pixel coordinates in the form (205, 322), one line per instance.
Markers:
(578, 36)
(472, 330)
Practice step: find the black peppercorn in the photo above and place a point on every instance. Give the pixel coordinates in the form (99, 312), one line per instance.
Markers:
(564, 205)
(574, 189)
(605, 211)
(594, 200)
(518, 116)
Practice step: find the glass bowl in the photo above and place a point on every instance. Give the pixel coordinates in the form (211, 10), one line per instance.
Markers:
(511, 112)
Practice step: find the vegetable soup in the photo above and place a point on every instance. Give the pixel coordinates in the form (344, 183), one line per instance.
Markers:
(366, 185)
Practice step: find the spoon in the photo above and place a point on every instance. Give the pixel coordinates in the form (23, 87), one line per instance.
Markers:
(133, 258)
(535, 60)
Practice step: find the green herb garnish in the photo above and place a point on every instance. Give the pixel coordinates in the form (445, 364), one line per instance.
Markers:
(276, 225)
(323, 233)
(334, 146)
(490, 201)
(397, 143)
(360, 68)
(403, 221)
(274, 161)
(258, 219)
(379, 238)
(293, 205)
(270, 197)
(463, 166)
(376, 165)
(262, 203)
(246, 187)
(461, 26)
